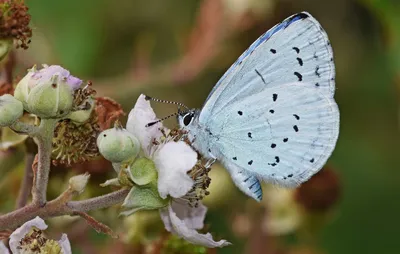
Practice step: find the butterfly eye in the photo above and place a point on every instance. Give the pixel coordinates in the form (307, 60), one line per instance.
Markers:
(187, 119)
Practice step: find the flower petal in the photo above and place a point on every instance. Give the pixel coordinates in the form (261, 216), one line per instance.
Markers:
(65, 245)
(47, 72)
(20, 232)
(3, 248)
(192, 216)
(179, 228)
(173, 160)
(140, 115)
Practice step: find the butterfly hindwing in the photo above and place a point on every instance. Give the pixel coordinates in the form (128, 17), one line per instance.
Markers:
(296, 50)
(282, 135)
(246, 181)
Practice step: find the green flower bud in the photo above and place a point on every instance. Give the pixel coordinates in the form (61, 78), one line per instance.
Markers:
(50, 99)
(118, 145)
(47, 93)
(143, 198)
(11, 110)
(143, 171)
(24, 86)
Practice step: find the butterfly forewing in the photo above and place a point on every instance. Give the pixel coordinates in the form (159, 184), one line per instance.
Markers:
(296, 50)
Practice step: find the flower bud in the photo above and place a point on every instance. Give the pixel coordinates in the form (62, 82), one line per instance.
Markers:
(143, 171)
(47, 93)
(79, 182)
(11, 110)
(50, 99)
(118, 145)
(23, 87)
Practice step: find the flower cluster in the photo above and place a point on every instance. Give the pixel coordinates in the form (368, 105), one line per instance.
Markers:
(167, 177)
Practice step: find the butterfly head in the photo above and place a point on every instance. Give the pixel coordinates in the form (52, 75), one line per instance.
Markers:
(186, 118)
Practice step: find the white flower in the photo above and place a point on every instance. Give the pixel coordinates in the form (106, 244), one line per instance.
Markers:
(25, 231)
(183, 221)
(173, 160)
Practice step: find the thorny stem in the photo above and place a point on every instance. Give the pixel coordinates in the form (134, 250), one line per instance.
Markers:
(56, 208)
(26, 185)
(44, 141)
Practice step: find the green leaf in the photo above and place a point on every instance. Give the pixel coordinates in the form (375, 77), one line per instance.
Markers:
(143, 198)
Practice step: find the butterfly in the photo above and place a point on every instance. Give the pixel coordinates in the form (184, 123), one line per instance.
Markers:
(272, 116)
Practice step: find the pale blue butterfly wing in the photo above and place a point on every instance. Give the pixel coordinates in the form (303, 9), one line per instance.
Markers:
(282, 135)
(297, 49)
(273, 111)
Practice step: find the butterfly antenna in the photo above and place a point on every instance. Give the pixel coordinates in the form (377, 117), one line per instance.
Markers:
(148, 98)
(162, 119)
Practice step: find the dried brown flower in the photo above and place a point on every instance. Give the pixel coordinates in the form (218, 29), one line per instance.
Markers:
(14, 22)
(108, 111)
(76, 143)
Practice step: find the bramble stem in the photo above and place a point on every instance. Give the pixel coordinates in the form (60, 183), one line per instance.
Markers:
(56, 208)
(44, 141)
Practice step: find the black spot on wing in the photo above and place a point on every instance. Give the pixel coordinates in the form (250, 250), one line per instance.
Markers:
(273, 51)
(296, 49)
(296, 129)
(250, 162)
(240, 113)
(234, 158)
(300, 61)
(271, 111)
(285, 140)
(249, 135)
(273, 145)
(317, 72)
(274, 97)
(296, 116)
(312, 160)
(299, 76)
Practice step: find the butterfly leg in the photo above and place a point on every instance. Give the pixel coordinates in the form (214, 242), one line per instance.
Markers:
(245, 181)
(210, 162)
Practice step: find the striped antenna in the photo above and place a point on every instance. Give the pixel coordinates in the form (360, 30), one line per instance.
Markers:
(148, 98)
(162, 119)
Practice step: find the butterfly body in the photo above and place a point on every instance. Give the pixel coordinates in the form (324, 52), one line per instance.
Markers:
(272, 116)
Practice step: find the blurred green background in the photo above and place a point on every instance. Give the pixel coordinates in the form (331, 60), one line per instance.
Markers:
(178, 49)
